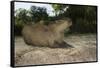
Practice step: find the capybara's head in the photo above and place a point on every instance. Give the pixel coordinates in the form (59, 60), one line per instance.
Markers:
(62, 24)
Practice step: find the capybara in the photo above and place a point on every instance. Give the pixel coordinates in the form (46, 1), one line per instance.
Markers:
(46, 35)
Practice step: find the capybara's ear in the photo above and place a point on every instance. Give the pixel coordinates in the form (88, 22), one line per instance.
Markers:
(67, 19)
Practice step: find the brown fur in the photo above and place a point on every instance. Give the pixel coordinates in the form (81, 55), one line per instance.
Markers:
(42, 35)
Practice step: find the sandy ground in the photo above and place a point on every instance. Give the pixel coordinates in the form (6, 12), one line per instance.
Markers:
(84, 50)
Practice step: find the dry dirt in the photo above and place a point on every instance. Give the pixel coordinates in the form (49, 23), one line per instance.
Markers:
(84, 50)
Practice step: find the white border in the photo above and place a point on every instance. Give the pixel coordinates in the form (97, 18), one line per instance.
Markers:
(5, 33)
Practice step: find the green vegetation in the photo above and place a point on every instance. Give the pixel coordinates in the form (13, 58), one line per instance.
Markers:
(84, 18)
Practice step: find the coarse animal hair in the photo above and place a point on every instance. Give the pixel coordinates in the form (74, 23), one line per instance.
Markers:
(43, 35)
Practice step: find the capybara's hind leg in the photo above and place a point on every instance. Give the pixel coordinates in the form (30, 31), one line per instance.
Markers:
(27, 41)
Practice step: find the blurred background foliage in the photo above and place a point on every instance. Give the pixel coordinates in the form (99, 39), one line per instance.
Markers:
(84, 18)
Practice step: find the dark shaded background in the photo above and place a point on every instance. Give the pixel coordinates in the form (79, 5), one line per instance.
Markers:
(84, 18)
